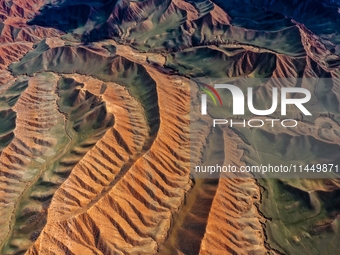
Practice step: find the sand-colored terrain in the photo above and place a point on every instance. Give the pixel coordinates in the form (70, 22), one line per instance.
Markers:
(100, 126)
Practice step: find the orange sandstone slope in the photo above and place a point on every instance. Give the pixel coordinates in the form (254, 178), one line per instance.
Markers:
(123, 195)
(104, 209)
(95, 138)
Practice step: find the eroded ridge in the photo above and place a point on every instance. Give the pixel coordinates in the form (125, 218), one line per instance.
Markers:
(37, 119)
(234, 223)
(47, 145)
(117, 149)
(95, 153)
(133, 215)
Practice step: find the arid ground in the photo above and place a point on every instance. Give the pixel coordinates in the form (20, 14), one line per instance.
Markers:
(99, 129)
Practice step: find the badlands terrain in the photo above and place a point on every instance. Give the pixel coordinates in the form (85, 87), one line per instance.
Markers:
(99, 127)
